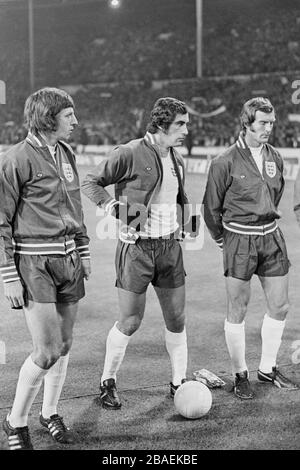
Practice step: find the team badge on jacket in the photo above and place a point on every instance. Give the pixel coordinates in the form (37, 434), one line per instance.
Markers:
(270, 169)
(68, 171)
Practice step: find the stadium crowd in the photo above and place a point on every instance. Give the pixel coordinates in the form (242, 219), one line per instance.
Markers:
(115, 62)
(108, 115)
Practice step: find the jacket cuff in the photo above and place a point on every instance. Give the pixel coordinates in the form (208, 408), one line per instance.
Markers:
(110, 206)
(84, 251)
(219, 242)
(9, 273)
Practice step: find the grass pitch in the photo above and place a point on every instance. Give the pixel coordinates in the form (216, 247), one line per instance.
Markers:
(148, 419)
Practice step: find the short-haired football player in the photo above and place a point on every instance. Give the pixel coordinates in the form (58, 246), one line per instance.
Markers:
(149, 174)
(243, 191)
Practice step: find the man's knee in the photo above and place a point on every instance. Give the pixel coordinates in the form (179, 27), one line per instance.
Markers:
(129, 325)
(176, 322)
(46, 357)
(66, 346)
(238, 295)
(279, 311)
(236, 311)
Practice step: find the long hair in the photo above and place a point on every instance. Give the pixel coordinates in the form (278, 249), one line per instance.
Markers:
(164, 112)
(42, 107)
(247, 116)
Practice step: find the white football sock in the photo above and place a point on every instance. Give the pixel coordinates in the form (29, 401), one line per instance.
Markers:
(176, 345)
(29, 383)
(53, 384)
(116, 344)
(235, 340)
(271, 333)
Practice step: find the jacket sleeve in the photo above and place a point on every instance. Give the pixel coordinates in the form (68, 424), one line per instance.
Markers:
(215, 191)
(10, 190)
(82, 242)
(112, 170)
(297, 197)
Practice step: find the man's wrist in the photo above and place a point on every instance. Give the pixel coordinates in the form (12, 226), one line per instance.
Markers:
(84, 251)
(128, 234)
(111, 207)
(219, 242)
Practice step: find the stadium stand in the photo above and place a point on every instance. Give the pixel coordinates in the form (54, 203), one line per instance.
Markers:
(115, 63)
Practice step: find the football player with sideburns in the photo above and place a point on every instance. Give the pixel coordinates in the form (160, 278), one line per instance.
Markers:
(148, 175)
(240, 206)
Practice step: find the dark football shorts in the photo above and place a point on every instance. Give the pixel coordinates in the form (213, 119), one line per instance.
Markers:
(51, 278)
(158, 261)
(264, 255)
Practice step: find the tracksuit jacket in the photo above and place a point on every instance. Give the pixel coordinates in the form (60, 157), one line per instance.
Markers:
(40, 204)
(237, 197)
(136, 171)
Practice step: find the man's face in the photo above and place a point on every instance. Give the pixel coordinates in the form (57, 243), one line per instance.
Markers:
(66, 122)
(177, 131)
(260, 130)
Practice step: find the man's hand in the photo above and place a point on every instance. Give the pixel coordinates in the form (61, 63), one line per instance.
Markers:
(128, 234)
(14, 292)
(86, 266)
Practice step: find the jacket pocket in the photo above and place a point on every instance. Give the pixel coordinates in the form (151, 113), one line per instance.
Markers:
(245, 189)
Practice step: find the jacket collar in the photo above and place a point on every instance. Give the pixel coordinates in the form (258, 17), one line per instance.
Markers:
(241, 143)
(151, 141)
(37, 140)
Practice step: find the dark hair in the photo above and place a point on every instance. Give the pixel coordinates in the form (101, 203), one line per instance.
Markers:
(247, 116)
(164, 112)
(42, 107)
